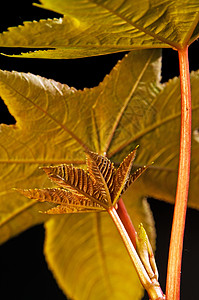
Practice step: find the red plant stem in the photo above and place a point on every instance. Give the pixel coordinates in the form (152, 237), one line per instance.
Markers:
(177, 233)
(126, 220)
(153, 288)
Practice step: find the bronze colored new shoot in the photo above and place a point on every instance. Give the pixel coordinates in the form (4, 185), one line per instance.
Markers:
(97, 190)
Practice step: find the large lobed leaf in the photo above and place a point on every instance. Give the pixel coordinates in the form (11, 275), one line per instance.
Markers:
(56, 124)
(95, 27)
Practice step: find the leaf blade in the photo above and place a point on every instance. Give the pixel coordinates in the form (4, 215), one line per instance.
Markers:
(63, 197)
(98, 262)
(122, 175)
(91, 28)
(75, 180)
(152, 18)
(152, 108)
(101, 171)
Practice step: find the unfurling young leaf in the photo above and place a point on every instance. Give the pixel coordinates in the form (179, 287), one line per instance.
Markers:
(122, 175)
(69, 203)
(94, 191)
(103, 179)
(101, 171)
(145, 252)
(75, 180)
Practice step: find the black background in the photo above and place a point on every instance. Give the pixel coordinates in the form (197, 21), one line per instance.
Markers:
(23, 270)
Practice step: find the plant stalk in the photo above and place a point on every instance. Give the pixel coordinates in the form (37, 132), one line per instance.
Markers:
(177, 233)
(126, 220)
(152, 287)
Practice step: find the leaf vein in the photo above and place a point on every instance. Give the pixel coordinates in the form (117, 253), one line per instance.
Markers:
(141, 28)
(128, 99)
(146, 131)
(78, 140)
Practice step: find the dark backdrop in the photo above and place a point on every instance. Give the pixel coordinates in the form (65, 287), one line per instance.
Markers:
(23, 270)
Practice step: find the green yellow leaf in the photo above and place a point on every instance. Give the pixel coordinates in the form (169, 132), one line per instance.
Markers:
(44, 111)
(166, 21)
(111, 118)
(47, 133)
(55, 124)
(195, 34)
(96, 27)
(164, 130)
(87, 257)
(20, 155)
